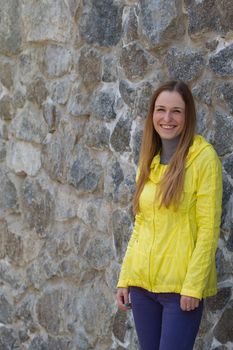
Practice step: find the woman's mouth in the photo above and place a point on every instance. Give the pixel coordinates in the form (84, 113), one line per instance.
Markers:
(168, 127)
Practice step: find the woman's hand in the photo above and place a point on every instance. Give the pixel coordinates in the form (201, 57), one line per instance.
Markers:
(188, 303)
(122, 298)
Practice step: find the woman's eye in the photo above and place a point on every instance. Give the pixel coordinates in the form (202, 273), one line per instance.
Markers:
(176, 111)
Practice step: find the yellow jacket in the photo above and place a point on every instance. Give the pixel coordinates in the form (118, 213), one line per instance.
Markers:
(174, 251)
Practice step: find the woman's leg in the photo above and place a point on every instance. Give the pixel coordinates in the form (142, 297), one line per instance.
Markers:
(179, 328)
(147, 313)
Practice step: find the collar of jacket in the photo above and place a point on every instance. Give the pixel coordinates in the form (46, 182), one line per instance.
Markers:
(157, 169)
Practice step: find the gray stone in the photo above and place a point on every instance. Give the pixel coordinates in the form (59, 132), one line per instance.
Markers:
(96, 311)
(79, 103)
(136, 143)
(101, 22)
(112, 275)
(219, 301)
(38, 343)
(184, 64)
(130, 25)
(74, 5)
(3, 235)
(223, 331)
(14, 248)
(37, 206)
(119, 182)
(223, 131)
(110, 71)
(89, 67)
(57, 61)
(2, 150)
(209, 15)
(136, 61)
(224, 266)
(42, 270)
(23, 336)
(161, 21)
(37, 91)
(3, 130)
(120, 138)
(114, 177)
(212, 44)
(29, 64)
(99, 252)
(80, 236)
(23, 158)
(224, 94)
(227, 191)
(10, 31)
(59, 343)
(66, 203)
(97, 136)
(50, 115)
(24, 310)
(85, 172)
(29, 125)
(136, 96)
(9, 276)
(228, 165)
(19, 97)
(204, 124)
(53, 309)
(21, 245)
(6, 310)
(229, 244)
(83, 340)
(103, 104)
(221, 62)
(204, 91)
(122, 227)
(6, 74)
(43, 21)
(60, 91)
(8, 340)
(6, 108)
(57, 151)
(8, 194)
(89, 212)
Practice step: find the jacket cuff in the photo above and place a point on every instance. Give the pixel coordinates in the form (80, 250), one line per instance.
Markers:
(191, 293)
(122, 284)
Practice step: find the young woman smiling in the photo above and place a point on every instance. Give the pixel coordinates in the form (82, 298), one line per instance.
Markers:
(169, 265)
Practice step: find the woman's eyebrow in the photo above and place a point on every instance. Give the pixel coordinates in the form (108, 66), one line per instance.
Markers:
(172, 107)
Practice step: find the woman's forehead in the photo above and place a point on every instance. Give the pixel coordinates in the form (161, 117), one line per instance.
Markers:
(170, 99)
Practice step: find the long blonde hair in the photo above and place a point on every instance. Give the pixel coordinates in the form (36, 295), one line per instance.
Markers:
(171, 185)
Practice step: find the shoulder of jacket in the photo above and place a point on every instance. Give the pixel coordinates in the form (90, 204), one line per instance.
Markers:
(204, 150)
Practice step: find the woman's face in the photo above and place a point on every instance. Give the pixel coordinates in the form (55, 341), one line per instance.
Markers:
(169, 114)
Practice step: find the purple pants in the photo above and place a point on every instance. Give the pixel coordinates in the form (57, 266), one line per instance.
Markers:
(160, 322)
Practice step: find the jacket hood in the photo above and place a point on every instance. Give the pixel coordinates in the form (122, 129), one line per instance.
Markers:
(199, 143)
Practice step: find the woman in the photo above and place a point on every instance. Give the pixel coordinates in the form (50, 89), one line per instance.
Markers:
(169, 266)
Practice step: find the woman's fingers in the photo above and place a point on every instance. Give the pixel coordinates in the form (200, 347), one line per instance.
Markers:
(123, 299)
(188, 303)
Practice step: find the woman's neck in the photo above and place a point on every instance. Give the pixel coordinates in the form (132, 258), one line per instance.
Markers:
(168, 149)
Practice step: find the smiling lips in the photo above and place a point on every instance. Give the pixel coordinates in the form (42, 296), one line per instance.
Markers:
(167, 126)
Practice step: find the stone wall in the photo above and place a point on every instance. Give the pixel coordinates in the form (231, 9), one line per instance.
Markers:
(75, 80)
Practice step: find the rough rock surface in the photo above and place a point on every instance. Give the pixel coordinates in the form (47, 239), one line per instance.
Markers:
(76, 78)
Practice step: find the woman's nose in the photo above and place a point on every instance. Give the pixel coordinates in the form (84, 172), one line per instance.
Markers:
(167, 116)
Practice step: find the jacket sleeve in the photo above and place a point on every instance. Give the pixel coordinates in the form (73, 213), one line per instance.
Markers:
(127, 261)
(208, 217)
(129, 255)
